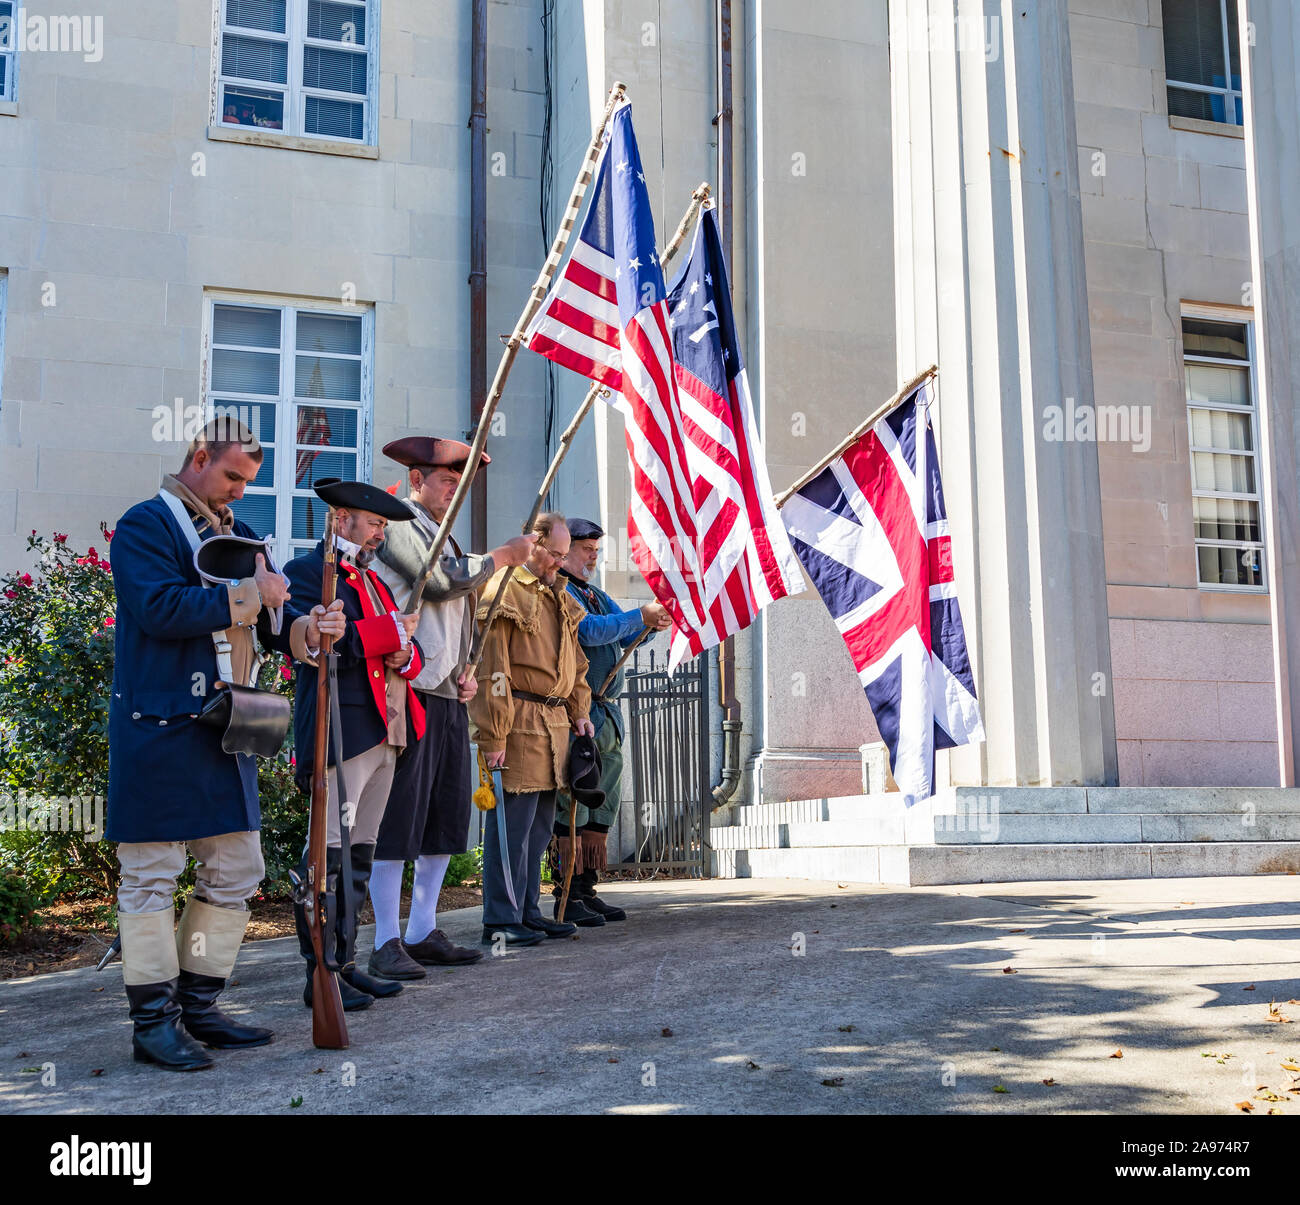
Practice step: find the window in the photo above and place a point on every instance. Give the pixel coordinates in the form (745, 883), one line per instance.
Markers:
(1200, 39)
(302, 66)
(1224, 445)
(4, 286)
(300, 378)
(9, 15)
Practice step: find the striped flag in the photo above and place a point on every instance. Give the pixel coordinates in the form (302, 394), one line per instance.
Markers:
(606, 317)
(872, 532)
(741, 541)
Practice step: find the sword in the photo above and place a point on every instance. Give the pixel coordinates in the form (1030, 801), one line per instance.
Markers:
(112, 952)
(500, 810)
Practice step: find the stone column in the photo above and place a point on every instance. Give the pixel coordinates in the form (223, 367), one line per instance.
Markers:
(1270, 39)
(991, 287)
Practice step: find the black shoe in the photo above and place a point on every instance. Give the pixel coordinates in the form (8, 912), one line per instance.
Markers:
(353, 1000)
(158, 1037)
(438, 950)
(197, 995)
(551, 928)
(515, 935)
(391, 961)
(595, 904)
(579, 914)
(372, 985)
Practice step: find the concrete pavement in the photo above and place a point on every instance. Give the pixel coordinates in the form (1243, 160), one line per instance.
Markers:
(893, 1000)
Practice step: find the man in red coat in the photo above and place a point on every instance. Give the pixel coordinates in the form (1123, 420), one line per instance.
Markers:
(379, 713)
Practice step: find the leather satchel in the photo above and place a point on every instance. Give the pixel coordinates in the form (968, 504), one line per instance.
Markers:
(252, 721)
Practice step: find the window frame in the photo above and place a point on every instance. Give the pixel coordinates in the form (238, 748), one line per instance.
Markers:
(9, 92)
(295, 91)
(287, 402)
(1231, 96)
(1233, 317)
(4, 312)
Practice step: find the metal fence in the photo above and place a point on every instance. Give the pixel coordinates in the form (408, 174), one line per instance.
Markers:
(668, 744)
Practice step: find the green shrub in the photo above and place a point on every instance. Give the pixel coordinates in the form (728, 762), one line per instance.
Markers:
(17, 908)
(464, 867)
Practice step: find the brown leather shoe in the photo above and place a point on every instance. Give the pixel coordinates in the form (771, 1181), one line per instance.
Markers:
(390, 962)
(437, 950)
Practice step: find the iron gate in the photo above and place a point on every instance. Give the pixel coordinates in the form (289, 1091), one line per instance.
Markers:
(668, 740)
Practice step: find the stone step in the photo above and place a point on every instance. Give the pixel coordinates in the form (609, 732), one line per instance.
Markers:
(936, 865)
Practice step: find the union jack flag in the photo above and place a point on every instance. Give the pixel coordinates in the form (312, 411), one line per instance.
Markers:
(872, 532)
(607, 318)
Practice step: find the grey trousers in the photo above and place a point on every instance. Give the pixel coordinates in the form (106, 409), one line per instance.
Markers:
(529, 819)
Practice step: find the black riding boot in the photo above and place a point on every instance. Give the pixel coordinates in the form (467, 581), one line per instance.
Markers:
(363, 861)
(158, 1036)
(352, 999)
(206, 1022)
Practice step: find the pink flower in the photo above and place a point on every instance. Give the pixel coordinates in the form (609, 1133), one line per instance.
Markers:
(60, 537)
(285, 675)
(109, 622)
(108, 533)
(105, 566)
(293, 759)
(11, 594)
(92, 554)
(26, 579)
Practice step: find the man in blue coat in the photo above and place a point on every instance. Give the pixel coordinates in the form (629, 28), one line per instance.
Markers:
(170, 783)
(603, 633)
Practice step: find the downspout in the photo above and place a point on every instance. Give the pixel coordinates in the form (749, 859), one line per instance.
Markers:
(732, 724)
(478, 257)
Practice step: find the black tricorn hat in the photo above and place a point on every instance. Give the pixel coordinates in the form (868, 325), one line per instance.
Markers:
(225, 560)
(584, 772)
(421, 450)
(360, 495)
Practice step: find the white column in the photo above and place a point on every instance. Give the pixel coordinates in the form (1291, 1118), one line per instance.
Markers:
(991, 286)
(1270, 39)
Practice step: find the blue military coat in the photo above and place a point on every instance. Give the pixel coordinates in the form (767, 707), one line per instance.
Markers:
(168, 778)
(603, 633)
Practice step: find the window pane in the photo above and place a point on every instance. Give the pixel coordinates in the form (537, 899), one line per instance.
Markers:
(1225, 519)
(1215, 385)
(4, 72)
(317, 376)
(1225, 474)
(246, 372)
(337, 22)
(327, 425)
(1224, 340)
(245, 326)
(334, 70)
(313, 466)
(1234, 48)
(256, 14)
(1221, 429)
(255, 58)
(1194, 41)
(1199, 105)
(329, 332)
(1230, 566)
(258, 511)
(335, 118)
(309, 518)
(252, 107)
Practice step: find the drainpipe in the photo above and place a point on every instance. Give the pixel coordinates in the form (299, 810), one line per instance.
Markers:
(732, 724)
(478, 258)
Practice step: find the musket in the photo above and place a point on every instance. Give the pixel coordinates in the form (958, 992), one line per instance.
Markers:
(329, 1029)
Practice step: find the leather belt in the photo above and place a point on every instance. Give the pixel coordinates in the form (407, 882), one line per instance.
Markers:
(544, 700)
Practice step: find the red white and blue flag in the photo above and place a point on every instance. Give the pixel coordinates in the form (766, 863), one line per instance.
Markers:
(872, 532)
(743, 546)
(701, 524)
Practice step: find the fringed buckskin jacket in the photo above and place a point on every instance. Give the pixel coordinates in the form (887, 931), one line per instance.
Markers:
(533, 647)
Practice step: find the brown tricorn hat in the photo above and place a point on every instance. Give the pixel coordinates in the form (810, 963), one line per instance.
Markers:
(417, 451)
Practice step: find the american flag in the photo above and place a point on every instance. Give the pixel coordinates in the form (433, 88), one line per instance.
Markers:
(607, 318)
(313, 428)
(742, 543)
(872, 532)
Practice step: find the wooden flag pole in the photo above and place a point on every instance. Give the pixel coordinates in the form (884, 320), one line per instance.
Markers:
(870, 421)
(535, 298)
(698, 198)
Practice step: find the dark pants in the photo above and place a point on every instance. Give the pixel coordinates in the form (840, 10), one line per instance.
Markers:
(529, 819)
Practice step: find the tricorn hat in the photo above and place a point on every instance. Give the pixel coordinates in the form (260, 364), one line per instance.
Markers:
(427, 450)
(584, 772)
(360, 495)
(227, 560)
